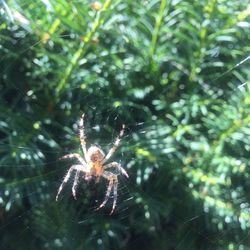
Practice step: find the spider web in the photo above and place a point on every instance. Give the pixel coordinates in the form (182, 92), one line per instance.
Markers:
(49, 183)
(35, 194)
(81, 213)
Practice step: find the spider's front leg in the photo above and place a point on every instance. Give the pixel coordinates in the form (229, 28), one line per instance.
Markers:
(116, 144)
(83, 137)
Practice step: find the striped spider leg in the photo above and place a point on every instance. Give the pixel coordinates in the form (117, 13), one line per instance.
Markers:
(113, 184)
(115, 145)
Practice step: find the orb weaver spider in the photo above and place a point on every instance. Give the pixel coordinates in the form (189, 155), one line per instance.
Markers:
(93, 164)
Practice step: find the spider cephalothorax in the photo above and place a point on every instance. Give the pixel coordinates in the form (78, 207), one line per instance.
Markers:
(95, 154)
(93, 164)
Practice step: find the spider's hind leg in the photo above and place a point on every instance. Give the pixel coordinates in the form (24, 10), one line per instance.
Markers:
(66, 178)
(115, 195)
(77, 175)
(113, 183)
(118, 166)
(74, 156)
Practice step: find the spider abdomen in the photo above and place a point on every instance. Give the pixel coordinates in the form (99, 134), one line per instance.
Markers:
(96, 168)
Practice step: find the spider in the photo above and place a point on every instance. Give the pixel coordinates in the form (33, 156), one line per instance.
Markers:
(93, 164)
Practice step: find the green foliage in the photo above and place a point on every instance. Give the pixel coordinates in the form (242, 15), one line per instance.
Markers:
(174, 73)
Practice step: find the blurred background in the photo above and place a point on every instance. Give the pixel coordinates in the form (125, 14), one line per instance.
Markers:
(176, 73)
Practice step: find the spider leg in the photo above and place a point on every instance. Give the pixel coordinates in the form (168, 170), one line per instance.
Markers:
(66, 178)
(116, 144)
(115, 185)
(107, 196)
(77, 156)
(113, 182)
(117, 165)
(83, 137)
(75, 183)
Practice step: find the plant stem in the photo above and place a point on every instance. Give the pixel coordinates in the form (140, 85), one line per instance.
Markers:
(158, 23)
(82, 49)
